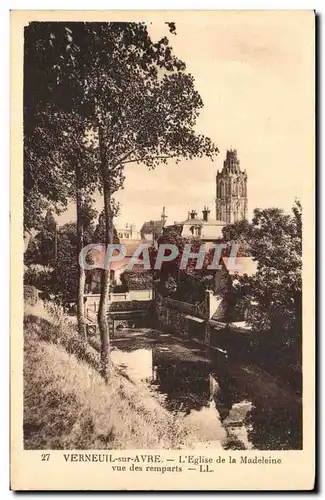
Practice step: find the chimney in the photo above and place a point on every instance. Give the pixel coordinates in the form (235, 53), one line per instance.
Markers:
(206, 213)
(163, 215)
(133, 229)
(193, 214)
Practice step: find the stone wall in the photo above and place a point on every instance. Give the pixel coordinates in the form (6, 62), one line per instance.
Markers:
(181, 318)
(139, 297)
(171, 321)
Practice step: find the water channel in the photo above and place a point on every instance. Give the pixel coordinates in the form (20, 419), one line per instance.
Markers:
(233, 406)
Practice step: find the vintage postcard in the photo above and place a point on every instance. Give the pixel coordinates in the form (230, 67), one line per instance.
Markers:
(163, 240)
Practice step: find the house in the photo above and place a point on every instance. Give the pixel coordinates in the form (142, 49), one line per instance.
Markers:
(117, 268)
(205, 228)
(153, 229)
(128, 231)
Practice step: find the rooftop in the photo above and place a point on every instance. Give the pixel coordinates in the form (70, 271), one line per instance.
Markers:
(152, 227)
(97, 256)
(197, 221)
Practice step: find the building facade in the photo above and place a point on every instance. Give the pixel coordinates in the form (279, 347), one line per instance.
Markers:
(152, 230)
(205, 228)
(231, 190)
(129, 231)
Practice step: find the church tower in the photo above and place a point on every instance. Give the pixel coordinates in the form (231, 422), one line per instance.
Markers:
(231, 184)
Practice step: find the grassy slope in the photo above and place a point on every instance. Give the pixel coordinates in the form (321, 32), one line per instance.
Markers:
(67, 405)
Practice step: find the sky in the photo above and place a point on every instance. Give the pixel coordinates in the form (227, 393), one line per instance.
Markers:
(254, 72)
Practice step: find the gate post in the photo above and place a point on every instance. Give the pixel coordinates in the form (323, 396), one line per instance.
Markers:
(207, 335)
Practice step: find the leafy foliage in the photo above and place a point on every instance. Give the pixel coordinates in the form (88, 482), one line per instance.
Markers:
(131, 94)
(239, 232)
(187, 284)
(59, 277)
(118, 79)
(274, 239)
(137, 279)
(30, 295)
(39, 276)
(41, 248)
(100, 231)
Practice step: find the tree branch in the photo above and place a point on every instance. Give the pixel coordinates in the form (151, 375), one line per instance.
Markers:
(121, 161)
(153, 158)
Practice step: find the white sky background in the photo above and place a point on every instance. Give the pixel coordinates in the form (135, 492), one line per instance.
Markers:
(252, 71)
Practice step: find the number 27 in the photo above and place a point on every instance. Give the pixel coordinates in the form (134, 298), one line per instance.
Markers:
(45, 457)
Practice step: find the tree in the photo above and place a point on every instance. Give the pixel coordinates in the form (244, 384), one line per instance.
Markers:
(42, 247)
(275, 241)
(65, 283)
(59, 277)
(137, 100)
(73, 158)
(173, 237)
(141, 113)
(188, 284)
(44, 184)
(171, 268)
(278, 283)
(100, 231)
(64, 279)
(240, 233)
(60, 157)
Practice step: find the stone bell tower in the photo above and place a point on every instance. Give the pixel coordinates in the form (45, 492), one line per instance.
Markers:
(231, 184)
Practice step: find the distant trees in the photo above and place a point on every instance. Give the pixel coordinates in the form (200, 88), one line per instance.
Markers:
(51, 257)
(42, 247)
(66, 273)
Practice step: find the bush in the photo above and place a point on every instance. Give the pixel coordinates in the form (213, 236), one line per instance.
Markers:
(38, 276)
(130, 305)
(189, 287)
(137, 280)
(118, 288)
(30, 295)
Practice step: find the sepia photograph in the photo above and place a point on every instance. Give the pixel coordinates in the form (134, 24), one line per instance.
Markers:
(167, 174)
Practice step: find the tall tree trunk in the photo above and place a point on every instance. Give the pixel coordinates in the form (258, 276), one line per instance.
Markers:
(81, 271)
(105, 273)
(56, 243)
